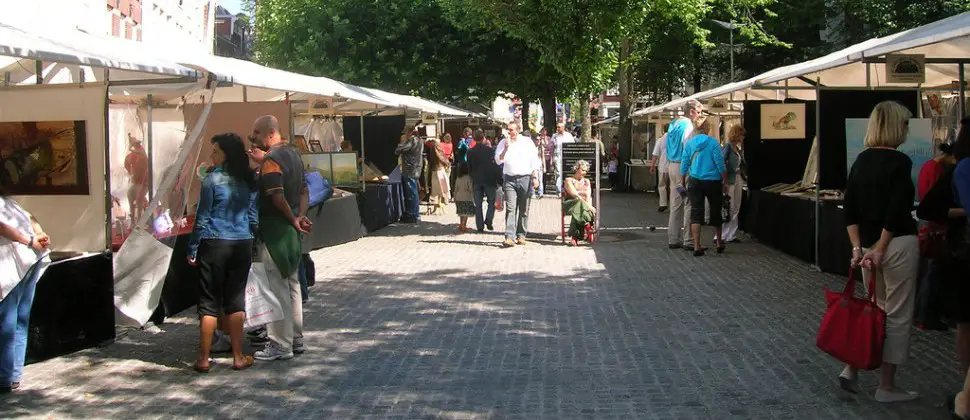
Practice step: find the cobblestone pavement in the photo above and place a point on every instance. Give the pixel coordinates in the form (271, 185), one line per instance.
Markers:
(418, 322)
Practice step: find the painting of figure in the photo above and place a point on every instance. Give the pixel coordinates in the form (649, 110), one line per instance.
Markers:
(43, 158)
(782, 121)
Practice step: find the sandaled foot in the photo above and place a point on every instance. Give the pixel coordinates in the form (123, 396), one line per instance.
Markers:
(248, 362)
(201, 368)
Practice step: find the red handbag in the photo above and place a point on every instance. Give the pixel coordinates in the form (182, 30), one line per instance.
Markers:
(853, 329)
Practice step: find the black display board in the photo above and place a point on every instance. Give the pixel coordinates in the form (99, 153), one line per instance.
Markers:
(574, 152)
(835, 107)
(381, 136)
(779, 160)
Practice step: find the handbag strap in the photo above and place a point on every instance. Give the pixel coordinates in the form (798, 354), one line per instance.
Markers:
(849, 290)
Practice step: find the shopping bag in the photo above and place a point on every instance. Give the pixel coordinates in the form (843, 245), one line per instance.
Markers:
(499, 200)
(262, 306)
(726, 209)
(853, 329)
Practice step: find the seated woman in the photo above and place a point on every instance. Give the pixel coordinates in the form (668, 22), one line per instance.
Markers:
(578, 203)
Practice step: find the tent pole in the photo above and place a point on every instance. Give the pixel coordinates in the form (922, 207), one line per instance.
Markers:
(963, 89)
(245, 95)
(363, 183)
(148, 142)
(39, 72)
(818, 168)
(289, 115)
(869, 75)
(107, 162)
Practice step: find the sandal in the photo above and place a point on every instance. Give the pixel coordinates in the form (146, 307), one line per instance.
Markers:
(201, 369)
(249, 361)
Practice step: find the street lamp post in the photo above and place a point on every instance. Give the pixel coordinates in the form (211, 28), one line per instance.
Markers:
(730, 26)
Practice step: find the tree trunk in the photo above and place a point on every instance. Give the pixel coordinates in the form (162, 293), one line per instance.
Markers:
(525, 114)
(548, 103)
(625, 78)
(587, 122)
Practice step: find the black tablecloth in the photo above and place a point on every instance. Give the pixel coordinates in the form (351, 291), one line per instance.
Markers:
(834, 246)
(380, 205)
(73, 307)
(335, 222)
(784, 223)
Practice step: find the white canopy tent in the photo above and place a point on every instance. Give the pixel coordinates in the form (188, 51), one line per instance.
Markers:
(945, 44)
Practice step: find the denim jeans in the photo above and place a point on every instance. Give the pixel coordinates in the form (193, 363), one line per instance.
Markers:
(929, 297)
(14, 321)
(304, 287)
(518, 194)
(488, 193)
(412, 205)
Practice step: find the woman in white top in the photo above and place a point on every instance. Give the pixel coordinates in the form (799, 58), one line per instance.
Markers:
(23, 259)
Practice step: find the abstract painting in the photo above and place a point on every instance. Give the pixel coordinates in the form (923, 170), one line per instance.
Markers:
(782, 121)
(43, 158)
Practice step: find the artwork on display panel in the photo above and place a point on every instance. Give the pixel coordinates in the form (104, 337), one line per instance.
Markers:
(344, 167)
(782, 121)
(43, 158)
(919, 145)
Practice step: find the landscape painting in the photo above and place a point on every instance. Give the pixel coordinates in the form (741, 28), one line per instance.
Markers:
(43, 158)
(345, 169)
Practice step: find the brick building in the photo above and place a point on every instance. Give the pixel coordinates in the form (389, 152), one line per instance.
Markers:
(232, 34)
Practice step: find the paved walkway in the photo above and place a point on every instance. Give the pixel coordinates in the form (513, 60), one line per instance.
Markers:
(417, 322)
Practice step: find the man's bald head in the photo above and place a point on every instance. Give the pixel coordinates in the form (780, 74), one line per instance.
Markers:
(266, 131)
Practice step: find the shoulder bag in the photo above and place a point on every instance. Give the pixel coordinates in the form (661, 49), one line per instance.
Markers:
(853, 329)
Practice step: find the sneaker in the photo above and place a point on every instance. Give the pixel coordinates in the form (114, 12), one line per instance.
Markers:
(298, 346)
(258, 336)
(673, 246)
(508, 243)
(895, 396)
(220, 343)
(520, 241)
(662, 209)
(273, 351)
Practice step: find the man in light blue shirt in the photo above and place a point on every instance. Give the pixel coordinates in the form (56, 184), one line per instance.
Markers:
(679, 132)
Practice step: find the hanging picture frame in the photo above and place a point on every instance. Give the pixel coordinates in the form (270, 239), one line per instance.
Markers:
(782, 121)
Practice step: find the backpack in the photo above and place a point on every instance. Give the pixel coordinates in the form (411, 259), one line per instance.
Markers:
(320, 189)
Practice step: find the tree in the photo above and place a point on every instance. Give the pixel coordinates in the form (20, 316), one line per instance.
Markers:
(404, 46)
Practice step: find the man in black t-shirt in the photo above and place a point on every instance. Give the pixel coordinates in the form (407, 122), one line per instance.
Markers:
(283, 205)
(485, 174)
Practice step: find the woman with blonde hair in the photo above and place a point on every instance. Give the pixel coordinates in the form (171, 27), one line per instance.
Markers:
(735, 181)
(878, 206)
(578, 203)
(705, 175)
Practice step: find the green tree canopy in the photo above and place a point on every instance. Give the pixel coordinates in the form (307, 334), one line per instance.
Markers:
(405, 46)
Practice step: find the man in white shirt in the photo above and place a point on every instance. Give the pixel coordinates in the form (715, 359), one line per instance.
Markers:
(660, 168)
(520, 175)
(561, 136)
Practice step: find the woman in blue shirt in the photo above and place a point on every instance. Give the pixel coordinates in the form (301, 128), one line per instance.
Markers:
(222, 245)
(703, 167)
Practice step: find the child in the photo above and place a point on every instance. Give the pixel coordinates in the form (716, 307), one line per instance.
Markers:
(464, 202)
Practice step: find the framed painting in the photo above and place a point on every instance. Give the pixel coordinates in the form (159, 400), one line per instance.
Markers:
(782, 121)
(344, 166)
(44, 158)
(301, 143)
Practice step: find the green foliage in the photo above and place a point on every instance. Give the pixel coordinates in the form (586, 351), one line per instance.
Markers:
(404, 46)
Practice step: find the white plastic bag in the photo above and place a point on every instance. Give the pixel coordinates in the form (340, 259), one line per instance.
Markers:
(262, 306)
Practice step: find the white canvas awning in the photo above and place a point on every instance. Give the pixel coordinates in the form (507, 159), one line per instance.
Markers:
(23, 49)
(855, 66)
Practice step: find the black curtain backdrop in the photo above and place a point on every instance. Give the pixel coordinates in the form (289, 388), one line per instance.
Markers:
(772, 161)
(381, 135)
(836, 106)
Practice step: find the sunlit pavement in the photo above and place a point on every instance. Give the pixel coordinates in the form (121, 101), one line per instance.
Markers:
(419, 322)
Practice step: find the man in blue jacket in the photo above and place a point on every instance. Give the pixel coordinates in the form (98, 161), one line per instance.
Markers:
(678, 133)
